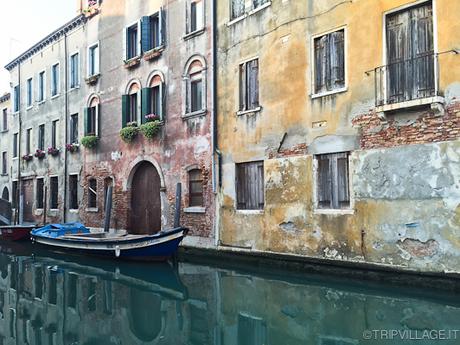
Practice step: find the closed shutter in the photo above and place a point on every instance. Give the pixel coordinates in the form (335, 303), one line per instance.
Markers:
(320, 57)
(163, 101)
(243, 90)
(250, 186)
(124, 110)
(324, 182)
(337, 59)
(125, 44)
(162, 26)
(342, 180)
(146, 34)
(146, 103)
(87, 121)
(253, 82)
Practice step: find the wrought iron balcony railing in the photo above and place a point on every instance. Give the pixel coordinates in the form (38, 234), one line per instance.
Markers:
(407, 80)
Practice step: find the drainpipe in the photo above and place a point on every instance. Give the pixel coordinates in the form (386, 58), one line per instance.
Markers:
(19, 186)
(215, 151)
(66, 114)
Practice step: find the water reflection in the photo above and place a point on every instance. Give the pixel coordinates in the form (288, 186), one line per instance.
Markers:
(68, 300)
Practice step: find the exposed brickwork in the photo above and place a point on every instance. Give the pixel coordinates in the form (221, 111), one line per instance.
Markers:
(296, 150)
(427, 127)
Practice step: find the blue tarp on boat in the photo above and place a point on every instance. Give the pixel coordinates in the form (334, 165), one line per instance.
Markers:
(58, 230)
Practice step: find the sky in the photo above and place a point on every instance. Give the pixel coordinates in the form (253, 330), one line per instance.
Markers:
(25, 22)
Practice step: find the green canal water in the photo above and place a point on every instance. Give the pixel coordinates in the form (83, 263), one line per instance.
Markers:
(48, 298)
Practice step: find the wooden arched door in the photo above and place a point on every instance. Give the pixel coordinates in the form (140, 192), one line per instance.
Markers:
(145, 200)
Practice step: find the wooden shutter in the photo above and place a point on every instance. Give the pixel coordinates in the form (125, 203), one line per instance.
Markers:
(324, 182)
(163, 101)
(243, 90)
(320, 57)
(124, 110)
(337, 59)
(146, 34)
(97, 120)
(162, 26)
(146, 103)
(253, 83)
(125, 44)
(250, 186)
(87, 121)
(342, 180)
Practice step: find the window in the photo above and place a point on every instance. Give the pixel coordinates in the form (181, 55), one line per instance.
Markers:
(54, 133)
(92, 193)
(29, 92)
(41, 86)
(130, 105)
(40, 192)
(239, 7)
(132, 42)
(93, 60)
(410, 70)
(74, 71)
(329, 62)
(195, 183)
(28, 141)
(41, 137)
(153, 31)
(73, 192)
(54, 190)
(92, 118)
(152, 99)
(15, 145)
(5, 119)
(195, 20)
(249, 85)
(73, 128)
(333, 181)
(55, 80)
(251, 330)
(16, 99)
(4, 163)
(250, 186)
(195, 88)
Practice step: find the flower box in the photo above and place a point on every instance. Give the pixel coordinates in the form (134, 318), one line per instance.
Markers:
(152, 117)
(72, 147)
(40, 154)
(134, 62)
(53, 151)
(89, 141)
(92, 79)
(28, 157)
(130, 132)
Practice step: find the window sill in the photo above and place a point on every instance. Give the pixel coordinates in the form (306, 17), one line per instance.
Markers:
(154, 53)
(337, 212)
(194, 114)
(195, 209)
(41, 102)
(194, 34)
(72, 210)
(55, 96)
(4, 174)
(249, 111)
(92, 210)
(74, 88)
(133, 62)
(328, 93)
(250, 212)
(29, 107)
(433, 101)
(14, 113)
(249, 13)
(90, 80)
(5, 131)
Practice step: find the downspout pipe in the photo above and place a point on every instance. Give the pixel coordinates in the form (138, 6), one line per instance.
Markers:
(66, 130)
(19, 184)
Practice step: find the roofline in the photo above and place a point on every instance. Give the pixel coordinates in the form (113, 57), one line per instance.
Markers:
(55, 35)
(5, 97)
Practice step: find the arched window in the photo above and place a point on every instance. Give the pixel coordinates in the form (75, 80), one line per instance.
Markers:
(6, 194)
(92, 116)
(92, 193)
(130, 104)
(195, 87)
(154, 102)
(195, 183)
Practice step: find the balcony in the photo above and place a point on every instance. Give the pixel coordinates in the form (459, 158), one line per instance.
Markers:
(407, 83)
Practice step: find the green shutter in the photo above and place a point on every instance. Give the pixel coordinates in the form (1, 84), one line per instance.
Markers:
(86, 121)
(124, 110)
(146, 100)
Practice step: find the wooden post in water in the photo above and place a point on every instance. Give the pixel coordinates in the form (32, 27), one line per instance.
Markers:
(178, 205)
(108, 209)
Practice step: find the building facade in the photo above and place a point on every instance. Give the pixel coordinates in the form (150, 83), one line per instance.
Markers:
(338, 127)
(5, 108)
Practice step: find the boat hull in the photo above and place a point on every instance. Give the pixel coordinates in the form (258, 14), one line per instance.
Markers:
(157, 247)
(15, 233)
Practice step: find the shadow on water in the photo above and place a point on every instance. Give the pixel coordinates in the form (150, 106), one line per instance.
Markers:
(48, 298)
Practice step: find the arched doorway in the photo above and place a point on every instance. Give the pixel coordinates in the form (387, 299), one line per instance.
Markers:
(6, 194)
(145, 200)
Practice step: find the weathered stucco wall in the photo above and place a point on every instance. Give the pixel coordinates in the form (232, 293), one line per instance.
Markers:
(377, 228)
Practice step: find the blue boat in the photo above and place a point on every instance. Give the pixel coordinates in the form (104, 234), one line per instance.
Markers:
(118, 244)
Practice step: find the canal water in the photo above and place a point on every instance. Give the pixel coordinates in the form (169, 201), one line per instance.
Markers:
(48, 298)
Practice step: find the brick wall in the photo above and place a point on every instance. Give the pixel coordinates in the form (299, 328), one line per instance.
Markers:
(424, 128)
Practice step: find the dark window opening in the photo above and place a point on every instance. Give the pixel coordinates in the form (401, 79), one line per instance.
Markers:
(132, 108)
(73, 192)
(15, 145)
(40, 193)
(74, 71)
(54, 80)
(28, 141)
(156, 101)
(41, 137)
(132, 42)
(41, 87)
(195, 188)
(91, 121)
(196, 95)
(5, 119)
(250, 186)
(74, 129)
(54, 134)
(92, 193)
(333, 181)
(155, 31)
(52, 288)
(4, 163)
(249, 85)
(54, 190)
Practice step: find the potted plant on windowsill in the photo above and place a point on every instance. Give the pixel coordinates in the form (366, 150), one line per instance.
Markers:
(53, 151)
(130, 132)
(27, 157)
(89, 141)
(40, 154)
(151, 127)
(72, 147)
